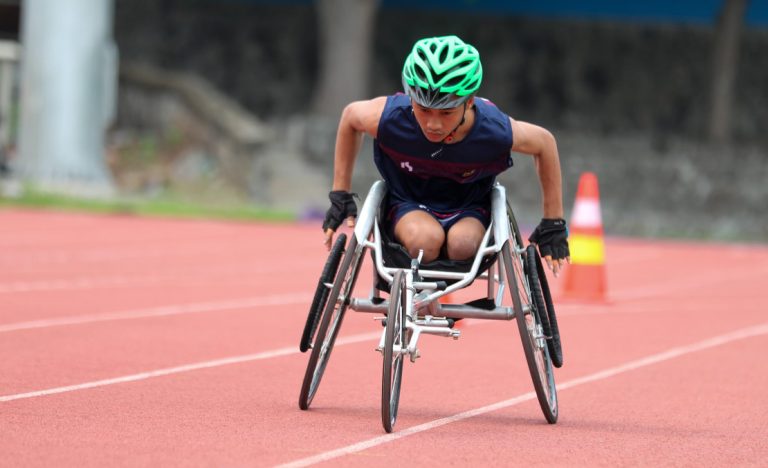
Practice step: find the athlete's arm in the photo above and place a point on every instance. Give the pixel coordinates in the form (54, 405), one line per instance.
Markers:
(540, 143)
(358, 118)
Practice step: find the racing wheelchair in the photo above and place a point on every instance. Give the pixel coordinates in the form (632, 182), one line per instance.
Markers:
(411, 307)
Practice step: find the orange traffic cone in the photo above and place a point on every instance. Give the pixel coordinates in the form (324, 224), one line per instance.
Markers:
(585, 277)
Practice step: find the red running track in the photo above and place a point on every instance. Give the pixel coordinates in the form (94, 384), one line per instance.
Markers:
(146, 342)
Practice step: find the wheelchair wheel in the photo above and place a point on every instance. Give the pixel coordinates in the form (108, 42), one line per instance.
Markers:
(542, 300)
(531, 334)
(330, 322)
(515, 230)
(395, 340)
(321, 292)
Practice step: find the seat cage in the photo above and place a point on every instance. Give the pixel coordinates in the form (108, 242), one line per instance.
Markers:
(431, 284)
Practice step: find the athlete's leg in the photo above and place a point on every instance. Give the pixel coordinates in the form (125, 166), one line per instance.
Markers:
(417, 230)
(464, 238)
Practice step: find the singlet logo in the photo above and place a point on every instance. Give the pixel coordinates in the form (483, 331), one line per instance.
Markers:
(468, 173)
(406, 165)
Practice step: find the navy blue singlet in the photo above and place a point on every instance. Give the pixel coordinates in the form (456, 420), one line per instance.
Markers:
(445, 177)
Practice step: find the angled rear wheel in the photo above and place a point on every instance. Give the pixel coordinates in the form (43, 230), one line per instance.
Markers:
(531, 335)
(321, 292)
(330, 322)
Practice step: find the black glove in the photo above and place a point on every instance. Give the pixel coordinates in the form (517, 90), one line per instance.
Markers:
(551, 235)
(342, 206)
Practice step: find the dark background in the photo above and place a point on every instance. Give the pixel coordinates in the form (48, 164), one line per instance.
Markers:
(627, 95)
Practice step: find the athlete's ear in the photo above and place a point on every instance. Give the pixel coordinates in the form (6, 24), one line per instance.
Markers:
(471, 102)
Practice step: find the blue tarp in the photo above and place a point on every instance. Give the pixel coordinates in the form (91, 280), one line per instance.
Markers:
(654, 11)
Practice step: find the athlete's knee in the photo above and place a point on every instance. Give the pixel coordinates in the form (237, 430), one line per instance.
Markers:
(430, 243)
(464, 239)
(415, 238)
(462, 247)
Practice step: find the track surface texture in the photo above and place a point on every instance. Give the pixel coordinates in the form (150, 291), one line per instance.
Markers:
(148, 342)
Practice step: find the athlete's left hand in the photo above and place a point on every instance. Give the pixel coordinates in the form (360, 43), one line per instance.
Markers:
(551, 236)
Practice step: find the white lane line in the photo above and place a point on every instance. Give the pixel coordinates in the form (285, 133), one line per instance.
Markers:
(185, 277)
(568, 309)
(284, 299)
(744, 333)
(185, 368)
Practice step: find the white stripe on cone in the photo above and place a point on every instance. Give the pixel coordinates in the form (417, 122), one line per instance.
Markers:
(586, 213)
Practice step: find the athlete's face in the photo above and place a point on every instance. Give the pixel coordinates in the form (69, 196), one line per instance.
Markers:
(436, 124)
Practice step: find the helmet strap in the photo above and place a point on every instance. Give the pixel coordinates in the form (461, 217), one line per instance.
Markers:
(449, 137)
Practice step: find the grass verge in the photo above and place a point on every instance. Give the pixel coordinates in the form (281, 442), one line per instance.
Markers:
(160, 207)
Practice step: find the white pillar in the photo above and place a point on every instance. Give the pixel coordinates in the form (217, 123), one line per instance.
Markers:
(68, 80)
(9, 57)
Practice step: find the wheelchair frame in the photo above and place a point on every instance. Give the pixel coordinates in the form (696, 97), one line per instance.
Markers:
(413, 309)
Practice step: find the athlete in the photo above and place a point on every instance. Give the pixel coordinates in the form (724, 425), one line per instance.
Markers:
(439, 148)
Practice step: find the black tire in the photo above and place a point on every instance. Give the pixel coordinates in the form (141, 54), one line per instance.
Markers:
(321, 292)
(395, 338)
(531, 335)
(542, 300)
(330, 322)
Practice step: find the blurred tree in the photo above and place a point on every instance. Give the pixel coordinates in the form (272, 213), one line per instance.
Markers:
(346, 36)
(724, 66)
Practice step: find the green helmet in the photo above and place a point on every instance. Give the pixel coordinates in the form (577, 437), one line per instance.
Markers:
(442, 72)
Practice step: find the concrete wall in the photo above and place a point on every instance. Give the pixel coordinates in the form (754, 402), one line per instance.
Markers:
(574, 74)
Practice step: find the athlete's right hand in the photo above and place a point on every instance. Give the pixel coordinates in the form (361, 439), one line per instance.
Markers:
(342, 206)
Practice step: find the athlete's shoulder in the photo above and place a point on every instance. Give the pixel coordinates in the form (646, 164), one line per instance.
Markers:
(494, 119)
(370, 105)
(397, 115)
(394, 105)
(488, 108)
(398, 101)
(364, 116)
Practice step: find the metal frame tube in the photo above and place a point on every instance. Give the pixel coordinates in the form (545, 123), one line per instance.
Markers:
(452, 311)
